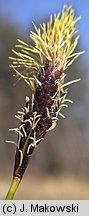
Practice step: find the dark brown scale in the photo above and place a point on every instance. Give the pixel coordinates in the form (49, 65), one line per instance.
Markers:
(46, 65)
(41, 78)
(43, 127)
(47, 71)
(57, 74)
(49, 102)
(46, 87)
(53, 89)
(51, 80)
(41, 133)
(44, 101)
(22, 141)
(19, 170)
(27, 127)
(28, 115)
(17, 161)
(38, 93)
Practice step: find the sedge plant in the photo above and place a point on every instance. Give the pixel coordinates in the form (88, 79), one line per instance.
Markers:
(42, 66)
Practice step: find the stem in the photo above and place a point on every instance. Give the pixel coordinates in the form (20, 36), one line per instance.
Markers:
(14, 185)
(18, 172)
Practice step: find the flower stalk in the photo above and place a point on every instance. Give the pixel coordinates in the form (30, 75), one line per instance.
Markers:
(42, 67)
(13, 188)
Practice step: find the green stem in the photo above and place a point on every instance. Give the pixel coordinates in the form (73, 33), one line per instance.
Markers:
(14, 185)
(16, 180)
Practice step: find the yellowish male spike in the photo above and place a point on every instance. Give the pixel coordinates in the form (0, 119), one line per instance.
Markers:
(54, 42)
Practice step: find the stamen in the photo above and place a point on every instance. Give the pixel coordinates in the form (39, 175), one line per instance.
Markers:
(69, 83)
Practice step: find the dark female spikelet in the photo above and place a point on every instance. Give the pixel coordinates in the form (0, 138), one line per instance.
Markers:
(42, 67)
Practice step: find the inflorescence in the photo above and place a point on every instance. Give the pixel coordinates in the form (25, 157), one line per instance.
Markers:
(42, 67)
